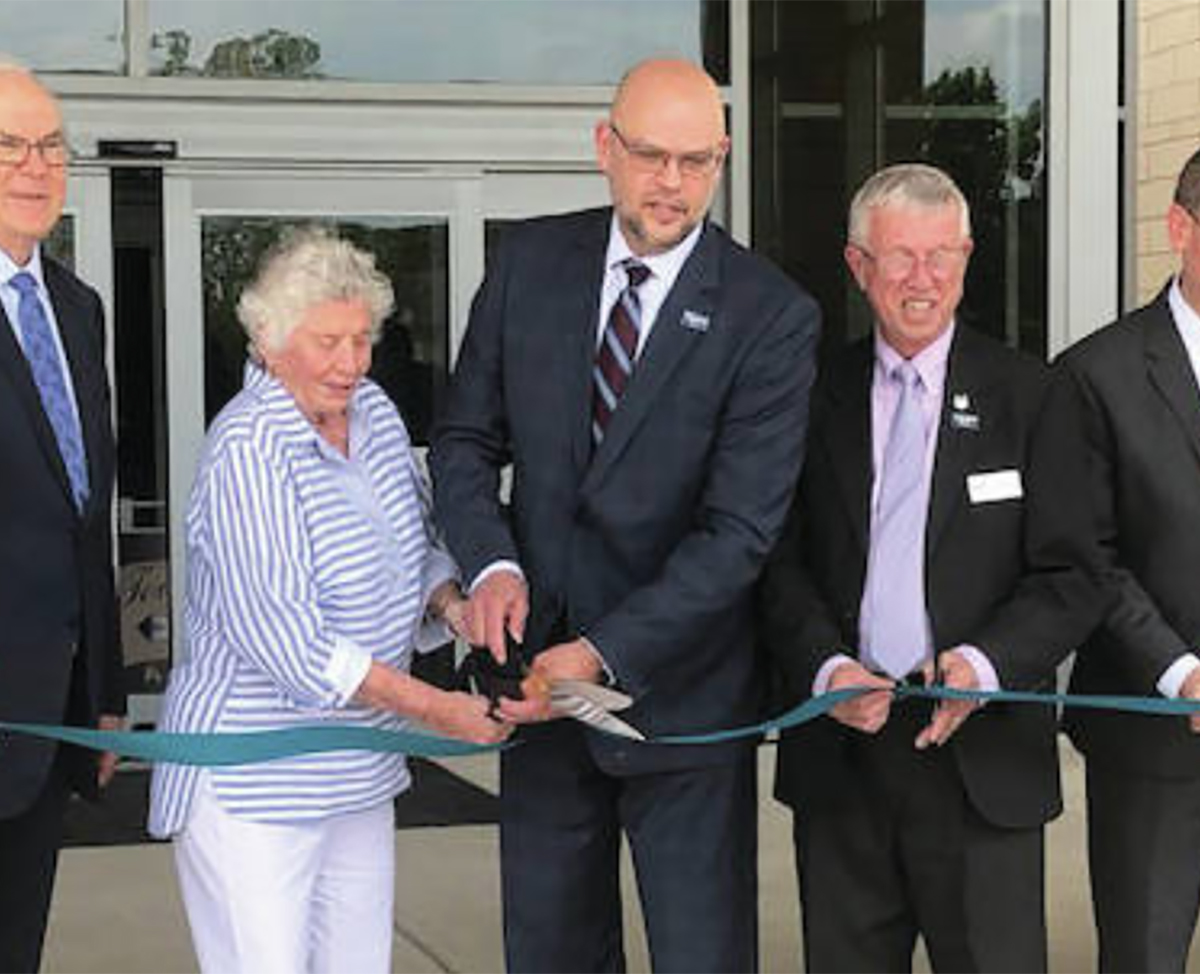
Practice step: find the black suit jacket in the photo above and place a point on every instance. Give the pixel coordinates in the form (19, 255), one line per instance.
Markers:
(650, 546)
(1142, 419)
(59, 653)
(1012, 577)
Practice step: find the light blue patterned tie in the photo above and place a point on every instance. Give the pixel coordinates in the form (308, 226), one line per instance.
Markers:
(895, 637)
(46, 365)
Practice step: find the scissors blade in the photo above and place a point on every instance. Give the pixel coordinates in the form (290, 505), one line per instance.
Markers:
(588, 712)
(604, 697)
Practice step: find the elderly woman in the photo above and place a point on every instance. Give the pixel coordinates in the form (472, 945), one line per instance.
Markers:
(313, 575)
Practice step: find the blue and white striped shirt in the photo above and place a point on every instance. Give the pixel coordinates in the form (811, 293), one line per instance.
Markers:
(302, 566)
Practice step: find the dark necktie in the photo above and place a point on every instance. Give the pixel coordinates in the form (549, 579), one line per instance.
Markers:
(46, 365)
(618, 349)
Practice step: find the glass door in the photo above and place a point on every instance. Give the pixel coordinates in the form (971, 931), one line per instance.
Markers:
(425, 233)
(428, 234)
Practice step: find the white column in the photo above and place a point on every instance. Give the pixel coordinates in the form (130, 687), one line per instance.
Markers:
(1084, 184)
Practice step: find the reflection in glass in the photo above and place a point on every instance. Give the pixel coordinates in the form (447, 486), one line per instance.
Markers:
(410, 359)
(843, 88)
(67, 35)
(517, 41)
(60, 244)
(140, 368)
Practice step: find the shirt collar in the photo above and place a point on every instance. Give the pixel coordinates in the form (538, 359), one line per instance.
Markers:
(1187, 318)
(931, 362)
(9, 268)
(272, 393)
(664, 267)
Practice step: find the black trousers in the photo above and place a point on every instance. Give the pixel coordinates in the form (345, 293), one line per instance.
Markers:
(693, 837)
(905, 854)
(29, 844)
(1144, 857)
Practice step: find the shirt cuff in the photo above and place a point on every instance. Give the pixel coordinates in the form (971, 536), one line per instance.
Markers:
(821, 680)
(346, 668)
(1171, 682)
(503, 565)
(985, 672)
(609, 677)
(438, 569)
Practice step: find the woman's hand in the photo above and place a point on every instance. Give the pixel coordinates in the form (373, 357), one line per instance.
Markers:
(465, 716)
(450, 605)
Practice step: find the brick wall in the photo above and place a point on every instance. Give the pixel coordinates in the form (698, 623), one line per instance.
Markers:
(1168, 125)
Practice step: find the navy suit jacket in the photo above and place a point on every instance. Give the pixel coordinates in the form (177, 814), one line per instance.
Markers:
(1015, 577)
(59, 651)
(649, 545)
(1141, 406)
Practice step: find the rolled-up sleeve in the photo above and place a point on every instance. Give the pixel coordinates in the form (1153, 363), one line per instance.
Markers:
(264, 581)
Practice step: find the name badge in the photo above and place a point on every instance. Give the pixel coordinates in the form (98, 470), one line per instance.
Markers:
(996, 485)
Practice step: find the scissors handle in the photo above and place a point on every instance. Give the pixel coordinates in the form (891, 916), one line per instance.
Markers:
(495, 680)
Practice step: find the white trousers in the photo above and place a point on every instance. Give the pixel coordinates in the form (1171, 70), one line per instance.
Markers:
(286, 899)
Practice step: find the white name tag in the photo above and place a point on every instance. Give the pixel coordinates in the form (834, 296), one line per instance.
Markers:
(998, 485)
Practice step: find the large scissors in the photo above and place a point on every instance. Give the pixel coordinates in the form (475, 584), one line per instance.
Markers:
(588, 703)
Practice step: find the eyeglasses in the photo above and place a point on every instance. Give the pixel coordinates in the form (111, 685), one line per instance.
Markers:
(15, 150)
(898, 265)
(651, 159)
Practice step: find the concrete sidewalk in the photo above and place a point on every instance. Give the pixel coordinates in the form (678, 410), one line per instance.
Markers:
(118, 909)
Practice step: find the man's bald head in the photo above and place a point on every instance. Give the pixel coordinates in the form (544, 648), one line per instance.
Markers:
(661, 148)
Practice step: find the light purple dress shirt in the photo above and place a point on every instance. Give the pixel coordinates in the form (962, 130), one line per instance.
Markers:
(931, 364)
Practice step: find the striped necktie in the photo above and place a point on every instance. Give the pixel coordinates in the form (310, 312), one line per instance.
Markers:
(48, 375)
(618, 349)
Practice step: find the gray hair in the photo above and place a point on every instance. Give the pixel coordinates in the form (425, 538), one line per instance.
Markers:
(1187, 190)
(906, 184)
(10, 66)
(309, 266)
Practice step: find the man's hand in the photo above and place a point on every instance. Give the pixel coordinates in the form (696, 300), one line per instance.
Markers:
(575, 660)
(949, 715)
(106, 763)
(869, 712)
(1190, 689)
(499, 602)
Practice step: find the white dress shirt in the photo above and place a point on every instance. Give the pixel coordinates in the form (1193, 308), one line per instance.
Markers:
(1187, 321)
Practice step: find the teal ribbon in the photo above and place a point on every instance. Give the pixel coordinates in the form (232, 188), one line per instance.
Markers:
(221, 749)
(821, 705)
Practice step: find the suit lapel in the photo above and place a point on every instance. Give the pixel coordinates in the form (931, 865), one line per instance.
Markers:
(695, 291)
(966, 376)
(1171, 372)
(580, 284)
(15, 366)
(847, 434)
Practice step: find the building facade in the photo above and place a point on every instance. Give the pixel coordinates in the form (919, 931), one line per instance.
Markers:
(1167, 127)
(420, 127)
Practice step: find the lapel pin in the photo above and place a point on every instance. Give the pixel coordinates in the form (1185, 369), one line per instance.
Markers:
(961, 416)
(694, 321)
